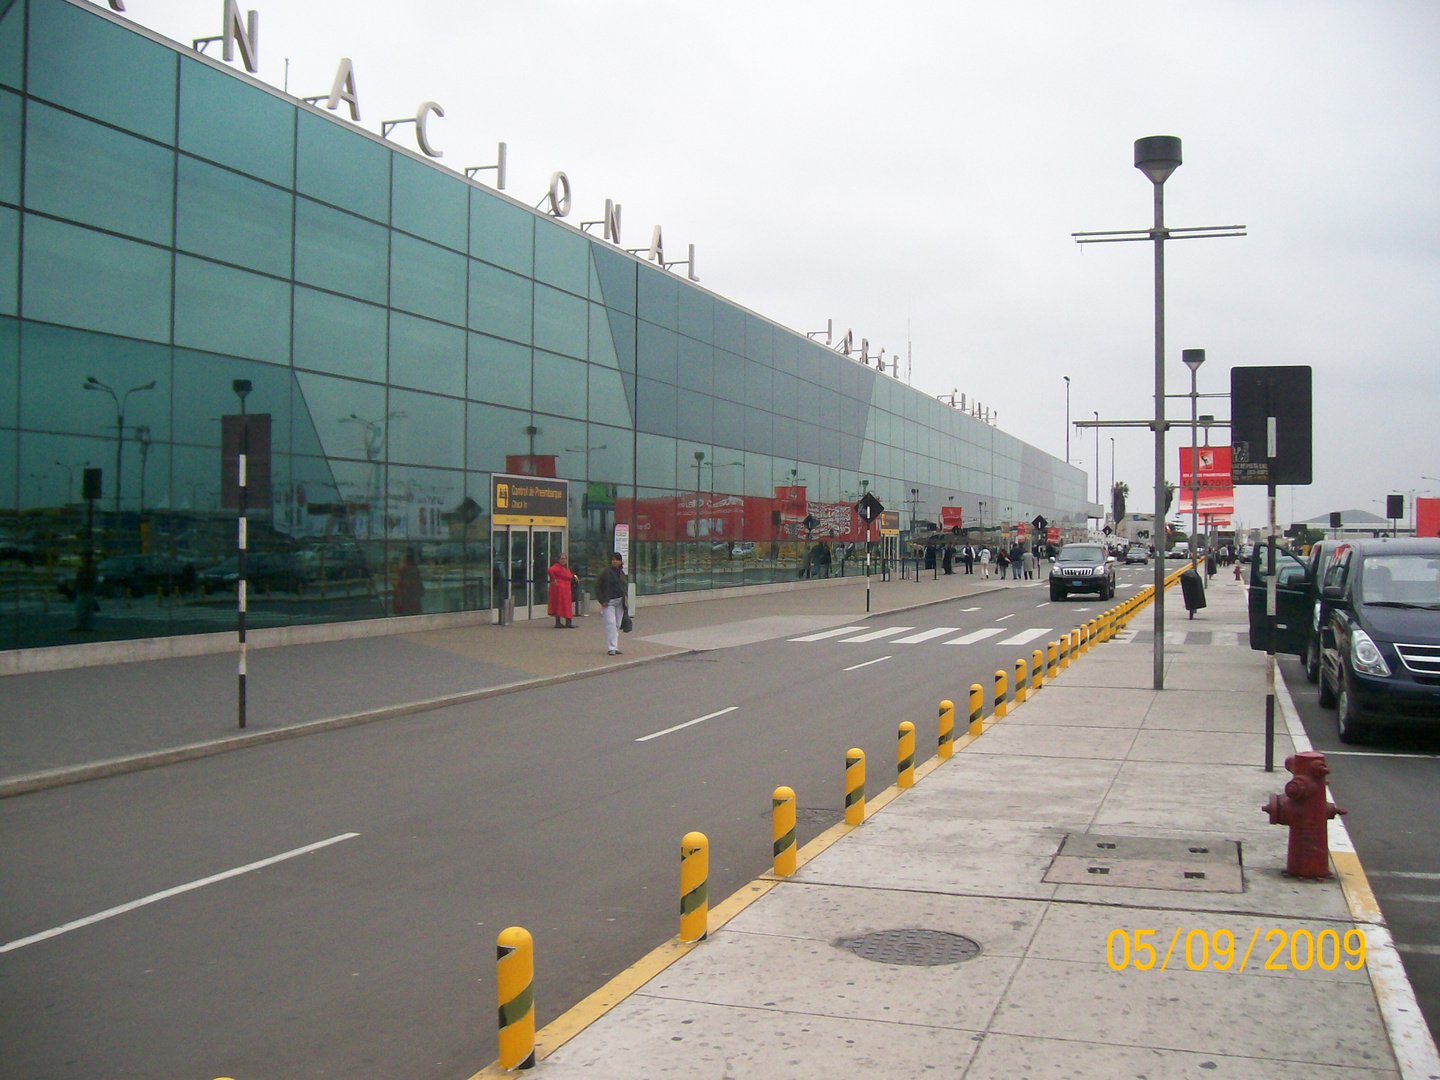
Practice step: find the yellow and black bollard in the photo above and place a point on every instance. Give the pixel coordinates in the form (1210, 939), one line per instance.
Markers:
(1052, 659)
(1037, 670)
(1064, 651)
(854, 786)
(514, 976)
(1084, 637)
(947, 728)
(782, 830)
(1000, 691)
(694, 895)
(1074, 645)
(1022, 680)
(905, 755)
(1094, 629)
(977, 709)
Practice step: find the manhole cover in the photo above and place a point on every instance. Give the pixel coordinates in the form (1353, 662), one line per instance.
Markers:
(1142, 862)
(917, 948)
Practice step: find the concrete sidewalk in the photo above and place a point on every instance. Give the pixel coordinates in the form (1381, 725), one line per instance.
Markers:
(80, 723)
(975, 850)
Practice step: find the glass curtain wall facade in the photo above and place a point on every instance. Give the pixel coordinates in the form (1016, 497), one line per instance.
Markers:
(169, 226)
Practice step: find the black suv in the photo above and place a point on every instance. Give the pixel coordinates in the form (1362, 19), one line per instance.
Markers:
(1380, 643)
(1082, 568)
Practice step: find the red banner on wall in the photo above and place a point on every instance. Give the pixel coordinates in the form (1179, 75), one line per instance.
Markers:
(1427, 517)
(951, 518)
(1214, 467)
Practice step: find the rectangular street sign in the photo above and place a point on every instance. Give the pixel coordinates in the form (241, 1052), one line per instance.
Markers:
(890, 523)
(1270, 425)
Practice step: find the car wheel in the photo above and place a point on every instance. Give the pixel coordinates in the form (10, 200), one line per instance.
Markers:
(1346, 721)
(1056, 593)
(1312, 661)
(1327, 696)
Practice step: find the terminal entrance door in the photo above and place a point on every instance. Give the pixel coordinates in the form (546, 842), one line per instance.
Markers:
(529, 515)
(523, 554)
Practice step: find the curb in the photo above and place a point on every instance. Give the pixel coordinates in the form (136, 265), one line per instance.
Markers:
(591, 1008)
(155, 759)
(1410, 1038)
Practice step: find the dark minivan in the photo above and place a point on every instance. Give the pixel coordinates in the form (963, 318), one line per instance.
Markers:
(1380, 643)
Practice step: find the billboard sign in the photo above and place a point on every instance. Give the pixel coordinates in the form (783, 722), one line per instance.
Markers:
(951, 517)
(890, 523)
(1270, 425)
(528, 500)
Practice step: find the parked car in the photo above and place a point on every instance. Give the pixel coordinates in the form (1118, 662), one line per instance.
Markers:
(1137, 553)
(277, 571)
(1082, 568)
(1294, 595)
(1380, 644)
(1319, 561)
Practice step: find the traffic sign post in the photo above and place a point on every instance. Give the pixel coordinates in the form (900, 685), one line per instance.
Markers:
(869, 508)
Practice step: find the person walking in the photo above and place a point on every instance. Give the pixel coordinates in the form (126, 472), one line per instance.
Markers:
(1002, 561)
(1017, 556)
(948, 562)
(1029, 562)
(562, 585)
(985, 563)
(611, 590)
(969, 559)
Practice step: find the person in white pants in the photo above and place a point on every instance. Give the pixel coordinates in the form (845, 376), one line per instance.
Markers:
(611, 589)
(985, 562)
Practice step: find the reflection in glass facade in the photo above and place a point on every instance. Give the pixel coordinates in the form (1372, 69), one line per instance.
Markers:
(168, 226)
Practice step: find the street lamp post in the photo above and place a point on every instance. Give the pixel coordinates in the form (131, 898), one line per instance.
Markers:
(1097, 466)
(1193, 359)
(1157, 156)
(142, 436)
(92, 383)
(1067, 418)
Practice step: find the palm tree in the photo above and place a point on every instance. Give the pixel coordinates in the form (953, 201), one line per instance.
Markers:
(1117, 500)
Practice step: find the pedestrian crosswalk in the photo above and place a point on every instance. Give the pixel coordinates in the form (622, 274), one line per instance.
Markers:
(938, 634)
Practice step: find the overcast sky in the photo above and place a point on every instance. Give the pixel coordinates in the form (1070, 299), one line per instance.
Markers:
(923, 166)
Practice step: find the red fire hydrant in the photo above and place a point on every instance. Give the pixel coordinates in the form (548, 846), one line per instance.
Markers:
(1304, 808)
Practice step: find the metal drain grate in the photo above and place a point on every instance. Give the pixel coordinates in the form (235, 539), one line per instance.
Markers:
(917, 948)
(1142, 862)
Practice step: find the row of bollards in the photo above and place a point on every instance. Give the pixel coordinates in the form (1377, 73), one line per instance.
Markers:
(515, 949)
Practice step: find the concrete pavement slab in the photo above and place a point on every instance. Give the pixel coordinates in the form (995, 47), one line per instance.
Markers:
(1066, 703)
(1201, 748)
(650, 1038)
(974, 872)
(1055, 741)
(1183, 710)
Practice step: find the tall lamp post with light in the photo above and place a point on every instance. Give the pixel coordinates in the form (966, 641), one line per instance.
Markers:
(1193, 359)
(92, 383)
(1157, 156)
(1067, 418)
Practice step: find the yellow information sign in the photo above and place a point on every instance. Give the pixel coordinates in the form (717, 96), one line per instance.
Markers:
(528, 500)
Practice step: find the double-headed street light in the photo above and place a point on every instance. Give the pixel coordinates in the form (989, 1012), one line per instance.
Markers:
(92, 383)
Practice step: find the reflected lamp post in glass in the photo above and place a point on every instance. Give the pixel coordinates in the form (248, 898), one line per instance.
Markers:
(1193, 359)
(92, 383)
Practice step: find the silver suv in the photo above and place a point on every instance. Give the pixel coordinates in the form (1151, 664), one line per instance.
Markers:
(1082, 568)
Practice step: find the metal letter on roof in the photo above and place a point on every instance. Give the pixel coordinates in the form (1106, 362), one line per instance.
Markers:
(657, 247)
(559, 195)
(117, 5)
(246, 33)
(612, 221)
(343, 89)
(421, 135)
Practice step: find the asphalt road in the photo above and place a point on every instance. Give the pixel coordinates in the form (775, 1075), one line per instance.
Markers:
(1390, 787)
(372, 956)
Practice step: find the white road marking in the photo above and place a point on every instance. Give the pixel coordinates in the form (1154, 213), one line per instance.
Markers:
(110, 913)
(1415, 875)
(1414, 898)
(1371, 753)
(976, 635)
(1024, 637)
(925, 635)
(687, 723)
(1002, 618)
(876, 635)
(1082, 609)
(1045, 604)
(969, 609)
(867, 663)
(827, 633)
(1419, 950)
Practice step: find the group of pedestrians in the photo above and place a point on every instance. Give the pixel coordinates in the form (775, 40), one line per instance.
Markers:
(612, 590)
(1017, 561)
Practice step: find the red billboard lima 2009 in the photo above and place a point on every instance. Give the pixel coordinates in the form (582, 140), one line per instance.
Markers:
(1216, 493)
(703, 515)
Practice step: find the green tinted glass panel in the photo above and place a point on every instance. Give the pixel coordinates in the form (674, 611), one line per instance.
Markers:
(81, 61)
(611, 457)
(339, 335)
(220, 309)
(608, 402)
(499, 372)
(654, 461)
(560, 321)
(427, 355)
(426, 430)
(657, 297)
(500, 232)
(655, 407)
(695, 363)
(84, 278)
(228, 216)
(236, 124)
(428, 203)
(499, 302)
(340, 252)
(338, 165)
(9, 373)
(566, 440)
(204, 390)
(57, 363)
(9, 147)
(426, 279)
(9, 260)
(602, 345)
(12, 43)
(562, 258)
(559, 385)
(491, 434)
(616, 273)
(658, 350)
(348, 416)
(697, 314)
(89, 173)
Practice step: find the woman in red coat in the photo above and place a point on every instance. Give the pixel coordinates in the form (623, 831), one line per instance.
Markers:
(562, 584)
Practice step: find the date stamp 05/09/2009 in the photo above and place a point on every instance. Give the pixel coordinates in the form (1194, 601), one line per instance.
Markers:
(1294, 950)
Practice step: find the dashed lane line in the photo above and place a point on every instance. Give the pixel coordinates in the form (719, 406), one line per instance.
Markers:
(828, 633)
(976, 635)
(687, 723)
(867, 663)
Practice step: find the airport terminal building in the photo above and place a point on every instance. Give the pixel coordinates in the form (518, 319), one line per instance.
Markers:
(445, 386)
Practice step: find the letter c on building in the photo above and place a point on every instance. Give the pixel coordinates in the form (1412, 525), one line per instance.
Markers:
(421, 136)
